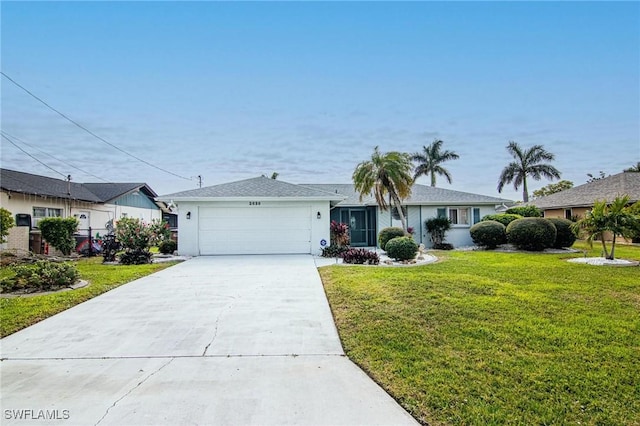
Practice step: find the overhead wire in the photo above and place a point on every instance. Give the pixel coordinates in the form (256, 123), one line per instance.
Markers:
(89, 131)
(35, 158)
(55, 158)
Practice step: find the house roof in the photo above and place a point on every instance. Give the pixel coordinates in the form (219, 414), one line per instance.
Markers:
(608, 188)
(420, 195)
(259, 187)
(27, 183)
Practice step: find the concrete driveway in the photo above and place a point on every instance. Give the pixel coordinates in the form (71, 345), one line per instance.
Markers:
(215, 340)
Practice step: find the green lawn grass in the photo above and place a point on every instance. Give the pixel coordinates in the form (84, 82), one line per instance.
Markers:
(18, 313)
(485, 338)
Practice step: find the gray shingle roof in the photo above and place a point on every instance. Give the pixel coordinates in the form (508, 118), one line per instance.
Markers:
(27, 183)
(602, 189)
(254, 187)
(420, 195)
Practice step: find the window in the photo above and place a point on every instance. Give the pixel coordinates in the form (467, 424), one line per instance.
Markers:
(476, 215)
(459, 216)
(567, 214)
(396, 215)
(42, 212)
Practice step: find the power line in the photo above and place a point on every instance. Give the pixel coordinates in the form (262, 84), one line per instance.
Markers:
(55, 158)
(89, 131)
(47, 166)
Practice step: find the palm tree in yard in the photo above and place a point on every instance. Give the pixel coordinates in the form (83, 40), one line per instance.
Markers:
(528, 162)
(386, 175)
(632, 169)
(430, 160)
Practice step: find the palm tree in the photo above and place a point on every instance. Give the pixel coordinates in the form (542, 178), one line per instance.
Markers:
(429, 161)
(528, 163)
(385, 174)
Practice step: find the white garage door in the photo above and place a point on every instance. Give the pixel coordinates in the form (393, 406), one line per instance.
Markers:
(254, 230)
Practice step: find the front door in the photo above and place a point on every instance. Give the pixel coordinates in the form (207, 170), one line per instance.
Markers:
(358, 227)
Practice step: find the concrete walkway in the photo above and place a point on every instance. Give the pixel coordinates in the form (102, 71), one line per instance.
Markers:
(214, 340)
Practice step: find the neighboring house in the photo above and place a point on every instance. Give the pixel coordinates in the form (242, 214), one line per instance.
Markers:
(32, 197)
(267, 216)
(575, 202)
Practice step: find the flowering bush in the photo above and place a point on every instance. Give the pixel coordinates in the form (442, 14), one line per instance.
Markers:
(137, 237)
(339, 233)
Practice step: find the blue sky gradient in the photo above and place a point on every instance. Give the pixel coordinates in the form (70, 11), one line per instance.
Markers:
(234, 90)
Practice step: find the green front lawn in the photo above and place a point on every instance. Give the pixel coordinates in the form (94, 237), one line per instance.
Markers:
(18, 313)
(497, 338)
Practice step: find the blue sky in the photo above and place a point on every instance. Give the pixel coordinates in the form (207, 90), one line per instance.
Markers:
(234, 90)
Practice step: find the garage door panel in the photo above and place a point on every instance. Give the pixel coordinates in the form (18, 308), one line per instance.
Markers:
(255, 230)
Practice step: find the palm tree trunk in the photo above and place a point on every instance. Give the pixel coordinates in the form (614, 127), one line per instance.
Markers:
(398, 203)
(525, 190)
(613, 248)
(433, 178)
(604, 247)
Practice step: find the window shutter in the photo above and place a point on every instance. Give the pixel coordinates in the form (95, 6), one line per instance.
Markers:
(476, 215)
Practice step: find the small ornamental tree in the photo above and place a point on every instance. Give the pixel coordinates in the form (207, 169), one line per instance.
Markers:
(137, 237)
(59, 232)
(437, 227)
(6, 223)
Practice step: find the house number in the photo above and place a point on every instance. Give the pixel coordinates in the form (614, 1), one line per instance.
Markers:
(254, 203)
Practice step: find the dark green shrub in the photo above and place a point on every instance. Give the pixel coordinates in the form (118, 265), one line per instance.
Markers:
(389, 233)
(503, 218)
(525, 211)
(531, 233)
(402, 248)
(360, 257)
(59, 232)
(40, 276)
(167, 246)
(6, 223)
(334, 250)
(442, 246)
(135, 257)
(489, 233)
(437, 227)
(564, 236)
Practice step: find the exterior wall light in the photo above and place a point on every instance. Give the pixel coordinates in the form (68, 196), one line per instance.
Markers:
(319, 216)
(188, 215)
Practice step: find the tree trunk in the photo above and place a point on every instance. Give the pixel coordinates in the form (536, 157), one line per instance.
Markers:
(433, 179)
(604, 247)
(613, 248)
(525, 191)
(398, 204)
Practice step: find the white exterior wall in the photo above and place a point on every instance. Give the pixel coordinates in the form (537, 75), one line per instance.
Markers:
(188, 244)
(458, 235)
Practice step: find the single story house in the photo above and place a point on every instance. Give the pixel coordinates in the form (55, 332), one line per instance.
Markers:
(267, 216)
(575, 202)
(32, 197)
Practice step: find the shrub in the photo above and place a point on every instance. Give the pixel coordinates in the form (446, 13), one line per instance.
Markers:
(334, 251)
(503, 218)
(39, 276)
(443, 246)
(389, 233)
(339, 233)
(361, 257)
(6, 223)
(137, 237)
(135, 257)
(531, 233)
(564, 236)
(437, 227)
(525, 211)
(489, 233)
(402, 248)
(167, 246)
(59, 232)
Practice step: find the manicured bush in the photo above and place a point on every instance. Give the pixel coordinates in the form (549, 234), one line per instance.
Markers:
(59, 232)
(525, 211)
(531, 233)
(339, 233)
(442, 246)
(389, 233)
(489, 233)
(564, 232)
(167, 246)
(402, 248)
(6, 223)
(334, 250)
(360, 257)
(135, 257)
(503, 218)
(40, 276)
